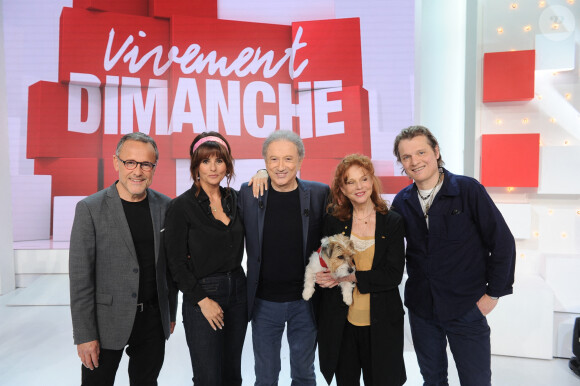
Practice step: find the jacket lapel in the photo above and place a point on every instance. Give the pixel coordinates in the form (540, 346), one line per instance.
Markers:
(380, 238)
(116, 209)
(304, 193)
(155, 210)
(261, 208)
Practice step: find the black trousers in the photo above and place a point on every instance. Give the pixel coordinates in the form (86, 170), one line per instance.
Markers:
(354, 356)
(146, 350)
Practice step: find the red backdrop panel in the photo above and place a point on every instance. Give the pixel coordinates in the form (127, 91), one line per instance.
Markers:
(132, 7)
(332, 49)
(70, 176)
(510, 160)
(87, 55)
(321, 170)
(197, 8)
(508, 76)
(394, 184)
(48, 135)
(356, 136)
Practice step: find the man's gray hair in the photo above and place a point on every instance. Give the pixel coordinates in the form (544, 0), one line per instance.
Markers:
(138, 136)
(284, 135)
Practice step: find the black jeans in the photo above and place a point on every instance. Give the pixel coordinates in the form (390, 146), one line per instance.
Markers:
(146, 350)
(216, 356)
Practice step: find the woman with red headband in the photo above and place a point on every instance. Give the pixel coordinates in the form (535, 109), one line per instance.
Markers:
(204, 243)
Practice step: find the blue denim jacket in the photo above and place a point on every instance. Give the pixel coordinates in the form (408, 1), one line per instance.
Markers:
(467, 251)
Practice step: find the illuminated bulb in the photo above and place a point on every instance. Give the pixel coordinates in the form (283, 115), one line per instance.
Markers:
(555, 73)
(510, 189)
(566, 143)
(498, 122)
(499, 30)
(528, 28)
(514, 5)
(568, 96)
(522, 255)
(539, 97)
(553, 120)
(541, 143)
(512, 50)
(550, 212)
(525, 120)
(555, 26)
(542, 4)
(536, 234)
(564, 235)
(578, 212)
(570, 1)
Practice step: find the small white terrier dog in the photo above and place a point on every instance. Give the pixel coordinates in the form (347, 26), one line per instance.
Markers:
(335, 253)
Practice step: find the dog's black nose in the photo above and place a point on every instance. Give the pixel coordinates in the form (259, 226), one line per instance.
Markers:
(350, 270)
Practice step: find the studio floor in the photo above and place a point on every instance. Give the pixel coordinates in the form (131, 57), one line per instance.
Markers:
(36, 348)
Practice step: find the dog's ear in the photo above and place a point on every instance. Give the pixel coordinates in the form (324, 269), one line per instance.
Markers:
(324, 246)
(329, 249)
(351, 244)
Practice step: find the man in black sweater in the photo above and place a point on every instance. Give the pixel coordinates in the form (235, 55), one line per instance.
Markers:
(282, 229)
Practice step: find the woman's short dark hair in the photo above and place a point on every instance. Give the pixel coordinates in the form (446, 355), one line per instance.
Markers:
(339, 205)
(412, 132)
(206, 150)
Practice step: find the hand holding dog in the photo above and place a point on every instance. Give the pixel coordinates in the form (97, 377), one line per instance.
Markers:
(212, 312)
(325, 279)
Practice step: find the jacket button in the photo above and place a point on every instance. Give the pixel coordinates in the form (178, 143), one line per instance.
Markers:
(133, 295)
(135, 270)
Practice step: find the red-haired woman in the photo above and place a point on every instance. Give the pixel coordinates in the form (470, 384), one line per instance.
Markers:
(368, 334)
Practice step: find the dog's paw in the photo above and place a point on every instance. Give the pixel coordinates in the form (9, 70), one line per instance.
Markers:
(307, 293)
(347, 298)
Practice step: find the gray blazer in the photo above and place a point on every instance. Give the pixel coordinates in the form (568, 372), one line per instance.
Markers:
(103, 270)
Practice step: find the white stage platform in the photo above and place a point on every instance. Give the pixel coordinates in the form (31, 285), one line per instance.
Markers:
(37, 348)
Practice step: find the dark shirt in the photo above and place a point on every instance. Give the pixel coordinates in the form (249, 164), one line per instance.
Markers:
(138, 217)
(197, 244)
(467, 251)
(282, 270)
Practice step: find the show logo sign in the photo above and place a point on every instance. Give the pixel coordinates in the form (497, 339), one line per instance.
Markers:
(176, 77)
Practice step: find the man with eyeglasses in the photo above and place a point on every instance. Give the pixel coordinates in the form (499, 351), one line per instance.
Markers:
(120, 293)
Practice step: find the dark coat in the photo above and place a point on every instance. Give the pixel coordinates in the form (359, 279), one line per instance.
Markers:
(313, 197)
(467, 251)
(387, 312)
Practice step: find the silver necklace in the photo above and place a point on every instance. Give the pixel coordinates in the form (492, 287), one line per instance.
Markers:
(430, 195)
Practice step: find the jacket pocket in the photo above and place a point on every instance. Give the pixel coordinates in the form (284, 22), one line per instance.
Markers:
(106, 299)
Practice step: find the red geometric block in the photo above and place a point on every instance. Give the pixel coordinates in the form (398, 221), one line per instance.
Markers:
(48, 134)
(321, 170)
(510, 160)
(350, 124)
(70, 176)
(85, 36)
(163, 179)
(333, 51)
(131, 7)
(508, 76)
(196, 8)
(394, 184)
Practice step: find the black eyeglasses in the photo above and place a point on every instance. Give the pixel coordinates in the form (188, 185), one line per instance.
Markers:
(130, 165)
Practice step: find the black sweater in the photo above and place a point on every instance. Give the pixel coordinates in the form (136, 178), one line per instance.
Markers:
(197, 244)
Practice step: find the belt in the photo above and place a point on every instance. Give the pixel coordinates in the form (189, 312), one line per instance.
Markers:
(150, 304)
